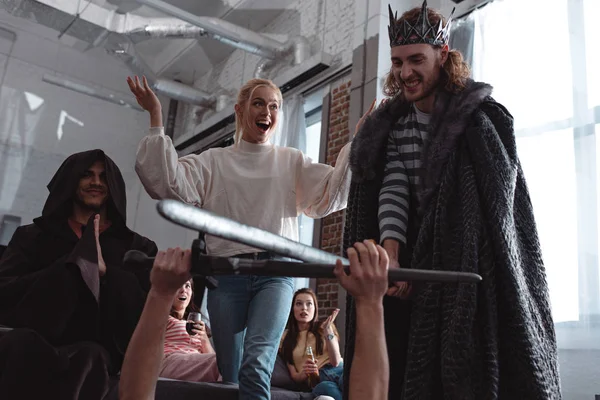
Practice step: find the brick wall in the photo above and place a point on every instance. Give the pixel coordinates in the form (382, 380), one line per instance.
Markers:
(332, 226)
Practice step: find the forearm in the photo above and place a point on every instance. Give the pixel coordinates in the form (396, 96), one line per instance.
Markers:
(333, 350)
(323, 189)
(394, 199)
(392, 248)
(156, 120)
(164, 174)
(145, 351)
(369, 375)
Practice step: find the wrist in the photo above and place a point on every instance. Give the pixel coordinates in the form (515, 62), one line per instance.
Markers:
(369, 306)
(162, 294)
(156, 118)
(156, 111)
(392, 248)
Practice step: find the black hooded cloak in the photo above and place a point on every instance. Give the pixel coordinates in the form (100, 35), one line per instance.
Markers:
(50, 285)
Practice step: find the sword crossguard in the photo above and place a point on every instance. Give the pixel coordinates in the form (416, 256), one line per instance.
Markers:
(198, 250)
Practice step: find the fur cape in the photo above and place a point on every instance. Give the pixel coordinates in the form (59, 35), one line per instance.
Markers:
(489, 340)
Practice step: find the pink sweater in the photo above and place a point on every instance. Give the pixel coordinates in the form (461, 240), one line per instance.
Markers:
(177, 340)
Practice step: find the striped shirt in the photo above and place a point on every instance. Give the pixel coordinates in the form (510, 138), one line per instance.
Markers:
(398, 194)
(177, 340)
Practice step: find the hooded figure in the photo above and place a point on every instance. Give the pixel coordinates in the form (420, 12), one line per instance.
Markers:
(57, 294)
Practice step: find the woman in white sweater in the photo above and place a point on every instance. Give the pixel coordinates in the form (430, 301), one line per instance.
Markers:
(256, 183)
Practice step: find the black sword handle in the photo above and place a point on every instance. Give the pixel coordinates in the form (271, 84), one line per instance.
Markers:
(207, 266)
(312, 270)
(139, 259)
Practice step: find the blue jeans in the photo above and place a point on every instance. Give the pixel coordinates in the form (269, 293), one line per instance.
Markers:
(332, 381)
(248, 315)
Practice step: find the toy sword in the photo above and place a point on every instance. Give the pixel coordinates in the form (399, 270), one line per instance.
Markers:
(318, 263)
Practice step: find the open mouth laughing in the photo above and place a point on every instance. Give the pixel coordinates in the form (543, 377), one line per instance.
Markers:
(263, 125)
(411, 85)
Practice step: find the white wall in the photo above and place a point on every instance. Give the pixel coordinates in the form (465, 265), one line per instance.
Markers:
(41, 124)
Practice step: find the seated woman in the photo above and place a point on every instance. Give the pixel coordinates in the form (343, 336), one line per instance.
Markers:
(324, 374)
(188, 357)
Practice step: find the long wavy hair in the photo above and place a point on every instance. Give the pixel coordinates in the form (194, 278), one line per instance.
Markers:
(455, 70)
(314, 327)
(244, 95)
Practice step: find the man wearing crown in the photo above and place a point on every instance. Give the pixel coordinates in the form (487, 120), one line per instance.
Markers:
(437, 180)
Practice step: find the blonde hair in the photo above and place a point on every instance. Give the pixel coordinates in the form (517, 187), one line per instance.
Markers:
(244, 95)
(455, 70)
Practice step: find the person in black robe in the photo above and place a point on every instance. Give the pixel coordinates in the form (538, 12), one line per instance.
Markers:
(63, 289)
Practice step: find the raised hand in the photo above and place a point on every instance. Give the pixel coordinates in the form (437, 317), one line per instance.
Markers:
(101, 263)
(170, 271)
(327, 325)
(368, 279)
(144, 94)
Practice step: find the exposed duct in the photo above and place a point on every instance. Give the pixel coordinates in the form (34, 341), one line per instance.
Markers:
(99, 26)
(98, 93)
(165, 31)
(170, 88)
(298, 51)
(117, 32)
(289, 64)
(223, 31)
(293, 52)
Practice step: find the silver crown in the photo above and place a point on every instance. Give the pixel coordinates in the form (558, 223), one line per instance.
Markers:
(402, 32)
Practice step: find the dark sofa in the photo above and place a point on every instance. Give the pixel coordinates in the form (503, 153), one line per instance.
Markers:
(283, 388)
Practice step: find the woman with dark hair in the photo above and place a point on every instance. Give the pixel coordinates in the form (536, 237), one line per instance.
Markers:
(187, 356)
(321, 368)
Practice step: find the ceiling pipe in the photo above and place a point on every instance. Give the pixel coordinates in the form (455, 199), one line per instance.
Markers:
(170, 88)
(223, 31)
(165, 31)
(275, 54)
(298, 50)
(101, 94)
(118, 32)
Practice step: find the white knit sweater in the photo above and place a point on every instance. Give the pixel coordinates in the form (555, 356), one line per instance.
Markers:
(261, 185)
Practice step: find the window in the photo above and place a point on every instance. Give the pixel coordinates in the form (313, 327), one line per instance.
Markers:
(541, 58)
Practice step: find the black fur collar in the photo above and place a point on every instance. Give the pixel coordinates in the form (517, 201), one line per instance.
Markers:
(450, 117)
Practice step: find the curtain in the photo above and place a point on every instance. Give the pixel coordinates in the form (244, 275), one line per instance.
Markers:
(291, 132)
(542, 58)
(461, 37)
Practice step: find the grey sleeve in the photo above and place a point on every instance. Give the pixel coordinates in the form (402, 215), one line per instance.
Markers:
(394, 197)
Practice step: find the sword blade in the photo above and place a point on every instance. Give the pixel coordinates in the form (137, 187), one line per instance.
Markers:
(195, 218)
(214, 266)
(318, 263)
